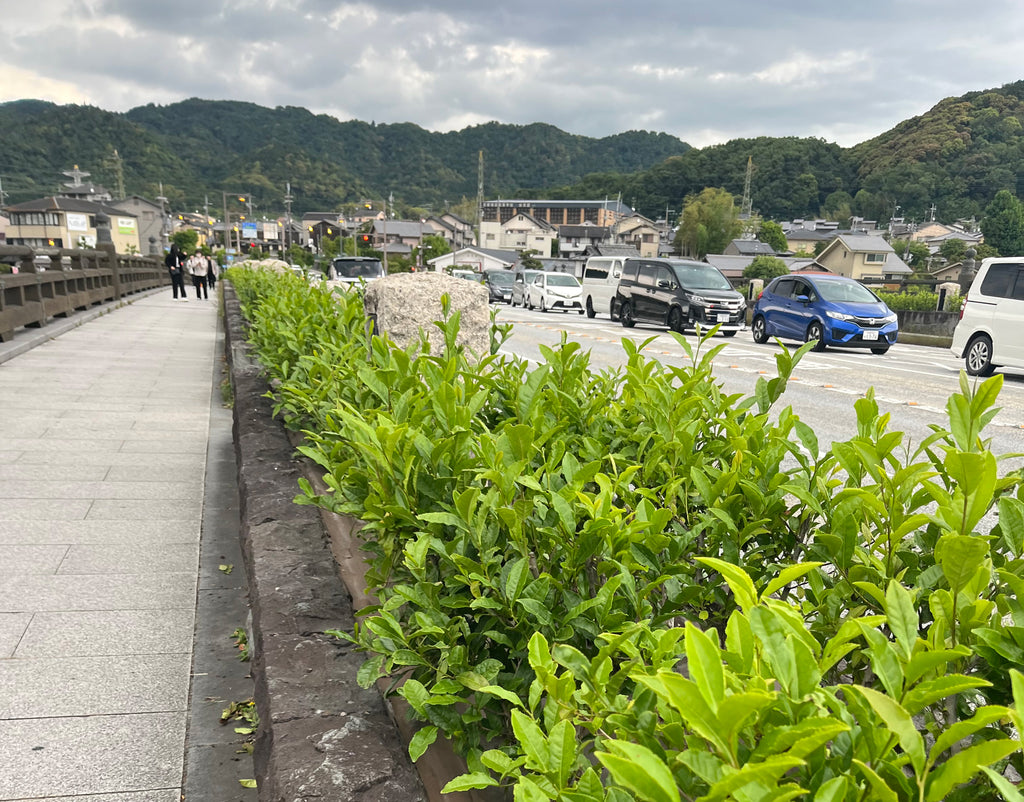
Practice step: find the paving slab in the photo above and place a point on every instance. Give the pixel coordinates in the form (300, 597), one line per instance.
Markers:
(165, 795)
(68, 489)
(12, 629)
(31, 559)
(92, 686)
(145, 534)
(108, 632)
(49, 509)
(12, 471)
(31, 593)
(129, 558)
(90, 755)
(62, 445)
(156, 510)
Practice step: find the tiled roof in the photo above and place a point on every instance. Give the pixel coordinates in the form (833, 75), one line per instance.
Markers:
(59, 204)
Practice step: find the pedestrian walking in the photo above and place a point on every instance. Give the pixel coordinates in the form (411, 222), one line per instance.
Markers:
(197, 269)
(175, 261)
(211, 272)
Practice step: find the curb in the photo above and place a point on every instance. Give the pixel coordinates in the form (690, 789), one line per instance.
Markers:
(321, 736)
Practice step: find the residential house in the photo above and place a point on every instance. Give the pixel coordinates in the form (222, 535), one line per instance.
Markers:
(462, 233)
(950, 272)
(806, 235)
(520, 232)
(58, 222)
(473, 258)
(574, 240)
(862, 256)
(319, 224)
(748, 247)
(401, 236)
(733, 265)
(366, 212)
(933, 234)
(640, 232)
(4, 222)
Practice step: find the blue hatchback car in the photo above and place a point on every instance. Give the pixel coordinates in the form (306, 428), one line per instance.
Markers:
(833, 310)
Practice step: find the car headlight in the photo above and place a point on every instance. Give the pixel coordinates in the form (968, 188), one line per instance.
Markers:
(838, 315)
(697, 300)
(890, 318)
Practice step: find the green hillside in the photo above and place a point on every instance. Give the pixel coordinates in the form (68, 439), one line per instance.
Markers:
(198, 147)
(955, 157)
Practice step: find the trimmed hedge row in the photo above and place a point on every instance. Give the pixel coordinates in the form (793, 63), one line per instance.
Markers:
(631, 585)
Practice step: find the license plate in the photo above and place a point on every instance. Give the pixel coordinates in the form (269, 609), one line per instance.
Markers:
(870, 335)
(723, 317)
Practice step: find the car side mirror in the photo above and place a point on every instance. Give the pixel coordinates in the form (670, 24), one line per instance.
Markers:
(664, 284)
(803, 299)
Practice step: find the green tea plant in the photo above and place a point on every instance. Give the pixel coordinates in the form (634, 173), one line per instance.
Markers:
(516, 511)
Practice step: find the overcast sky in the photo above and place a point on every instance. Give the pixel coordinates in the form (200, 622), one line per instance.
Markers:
(707, 71)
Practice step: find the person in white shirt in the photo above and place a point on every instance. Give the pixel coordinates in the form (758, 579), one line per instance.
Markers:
(198, 269)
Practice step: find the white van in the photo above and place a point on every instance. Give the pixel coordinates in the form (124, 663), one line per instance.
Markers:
(600, 278)
(988, 335)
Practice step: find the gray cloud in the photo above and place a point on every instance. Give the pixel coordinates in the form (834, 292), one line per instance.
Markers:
(706, 72)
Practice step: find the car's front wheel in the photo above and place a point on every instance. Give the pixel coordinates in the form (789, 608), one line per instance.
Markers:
(759, 329)
(881, 349)
(675, 319)
(591, 312)
(626, 316)
(817, 333)
(543, 304)
(978, 359)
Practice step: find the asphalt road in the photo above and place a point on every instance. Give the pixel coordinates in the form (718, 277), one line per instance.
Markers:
(912, 383)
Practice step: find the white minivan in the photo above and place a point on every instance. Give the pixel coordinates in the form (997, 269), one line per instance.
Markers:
(988, 335)
(600, 278)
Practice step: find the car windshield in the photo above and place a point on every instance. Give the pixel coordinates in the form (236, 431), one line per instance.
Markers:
(701, 277)
(368, 268)
(502, 278)
(562, 280)
(530, 275)
(850, 292)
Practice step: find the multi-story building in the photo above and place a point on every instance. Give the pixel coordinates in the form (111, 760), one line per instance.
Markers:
(58, 222)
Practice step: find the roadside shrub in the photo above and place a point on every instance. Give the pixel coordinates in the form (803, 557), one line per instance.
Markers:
(632, 585)
(918, 301)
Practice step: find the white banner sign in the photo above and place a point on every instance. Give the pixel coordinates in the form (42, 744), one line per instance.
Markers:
(78, 222)
(270, 231)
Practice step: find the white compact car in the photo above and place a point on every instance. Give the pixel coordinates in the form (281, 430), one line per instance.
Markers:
(555, 291)
(988, 335)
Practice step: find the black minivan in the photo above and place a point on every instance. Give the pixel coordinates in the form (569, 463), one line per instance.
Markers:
(678, 293)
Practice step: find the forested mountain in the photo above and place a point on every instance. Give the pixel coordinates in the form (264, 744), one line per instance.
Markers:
(199, 147)
(955, 157)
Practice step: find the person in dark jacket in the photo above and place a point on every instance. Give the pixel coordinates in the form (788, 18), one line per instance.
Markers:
(211, 271)
(175, 261)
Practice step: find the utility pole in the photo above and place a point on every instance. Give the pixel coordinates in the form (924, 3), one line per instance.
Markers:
(165, 222)
(479, 199)
(746, 205)
(206, 216)
(288, 212)
(3, 195)
(385, 250)
(116, 163)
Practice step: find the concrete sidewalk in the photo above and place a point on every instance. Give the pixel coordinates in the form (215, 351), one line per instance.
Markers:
(117, 506)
